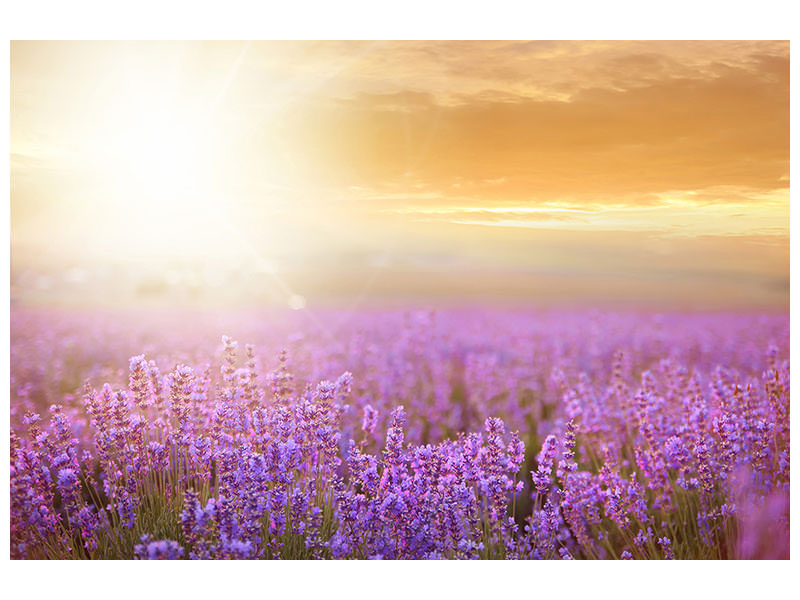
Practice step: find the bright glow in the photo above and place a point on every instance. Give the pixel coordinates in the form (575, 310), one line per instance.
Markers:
(154, 152)
(296, 302)
(153, 159)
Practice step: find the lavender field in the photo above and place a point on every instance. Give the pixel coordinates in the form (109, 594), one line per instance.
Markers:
(456, 434)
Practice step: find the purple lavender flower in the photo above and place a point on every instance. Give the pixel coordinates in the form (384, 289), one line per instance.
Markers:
(157, 550)
(370, 419)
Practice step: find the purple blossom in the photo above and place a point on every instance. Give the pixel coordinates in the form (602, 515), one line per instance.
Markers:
(370, 420)
(157, 550)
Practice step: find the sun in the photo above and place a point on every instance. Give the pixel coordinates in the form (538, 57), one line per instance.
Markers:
(159, 159)
(153, 158)
(156, 151)
(163, 155)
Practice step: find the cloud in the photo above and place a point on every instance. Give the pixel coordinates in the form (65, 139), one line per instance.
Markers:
(676, 213)
(540, 69)
(677, 134)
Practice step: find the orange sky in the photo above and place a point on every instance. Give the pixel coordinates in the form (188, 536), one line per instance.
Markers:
(662, 165)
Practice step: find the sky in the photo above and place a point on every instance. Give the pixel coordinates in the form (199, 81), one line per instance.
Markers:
(542, 171)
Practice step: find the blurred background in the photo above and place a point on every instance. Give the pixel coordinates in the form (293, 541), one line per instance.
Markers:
(357, 174)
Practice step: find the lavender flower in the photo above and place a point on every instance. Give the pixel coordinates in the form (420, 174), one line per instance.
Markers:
(157, 550)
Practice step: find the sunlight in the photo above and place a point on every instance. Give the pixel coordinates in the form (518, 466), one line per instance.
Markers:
(156, 161)
(156, 153)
